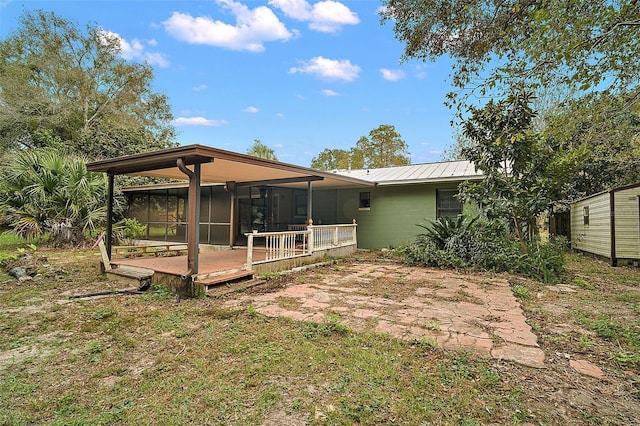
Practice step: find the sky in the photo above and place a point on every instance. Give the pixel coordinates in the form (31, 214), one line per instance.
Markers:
(298, 75)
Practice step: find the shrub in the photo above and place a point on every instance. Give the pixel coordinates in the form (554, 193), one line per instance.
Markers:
(481, 244)
(127, 230)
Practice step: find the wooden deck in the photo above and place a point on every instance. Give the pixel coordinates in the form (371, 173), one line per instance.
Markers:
(208, 263)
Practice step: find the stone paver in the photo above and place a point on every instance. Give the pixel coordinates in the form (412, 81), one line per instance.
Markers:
(455, 311)
(587, 368)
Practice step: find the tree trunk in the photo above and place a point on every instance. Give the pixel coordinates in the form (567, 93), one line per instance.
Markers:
(523, 244)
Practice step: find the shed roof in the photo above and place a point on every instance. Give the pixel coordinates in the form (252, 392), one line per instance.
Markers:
(220, 166)
(416, 173)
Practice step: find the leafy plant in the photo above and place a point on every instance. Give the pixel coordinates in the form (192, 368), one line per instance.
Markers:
(483, 244)
(127, 230)
(44, 191)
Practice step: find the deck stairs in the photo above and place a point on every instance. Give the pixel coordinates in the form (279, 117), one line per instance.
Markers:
(131, 275)
(224, 282)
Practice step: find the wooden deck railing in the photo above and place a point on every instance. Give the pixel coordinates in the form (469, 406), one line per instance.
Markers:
(297, 243)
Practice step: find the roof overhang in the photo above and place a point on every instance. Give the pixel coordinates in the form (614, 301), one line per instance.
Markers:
(219, 166)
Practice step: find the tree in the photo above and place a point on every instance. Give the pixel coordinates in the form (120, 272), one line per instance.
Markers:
(258, 149)
(454, 151)
(73, 85)
(600, 138)
(518, 176)
(338, 159)
(45, 192)
(589, 43)
(383, 148)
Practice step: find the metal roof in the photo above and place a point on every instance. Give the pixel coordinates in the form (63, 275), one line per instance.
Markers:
(219, 166)
(416, 173)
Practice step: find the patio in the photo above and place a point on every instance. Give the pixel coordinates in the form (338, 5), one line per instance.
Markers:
(460, 311)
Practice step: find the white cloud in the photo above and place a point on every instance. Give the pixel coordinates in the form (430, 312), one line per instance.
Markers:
(251, 109)
(198, 121)
(325, 16)
(328, 69)
(200, 88)
(252, 28)
(136, 49)
(279, 115)
(278, 145)
(392, 75)
(329, 92)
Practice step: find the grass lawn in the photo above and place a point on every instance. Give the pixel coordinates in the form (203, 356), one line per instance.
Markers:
(149, 360)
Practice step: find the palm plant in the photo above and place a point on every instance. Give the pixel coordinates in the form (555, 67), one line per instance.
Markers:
(44, 191)
(443, 229)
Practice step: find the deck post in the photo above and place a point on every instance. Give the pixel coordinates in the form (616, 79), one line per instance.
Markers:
(249, 252)
(354, 237)
(310, 231)
(230, 187)
(309, 200)
(193, 225)
(109, 213)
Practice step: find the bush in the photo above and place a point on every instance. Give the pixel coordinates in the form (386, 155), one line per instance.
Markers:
(483, 245)
(127, 230)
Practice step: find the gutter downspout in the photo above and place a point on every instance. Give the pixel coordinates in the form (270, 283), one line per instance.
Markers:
(193, 228)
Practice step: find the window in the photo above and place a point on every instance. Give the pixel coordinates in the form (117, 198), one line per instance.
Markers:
(585, 215)
(446, 203)
(365, 200)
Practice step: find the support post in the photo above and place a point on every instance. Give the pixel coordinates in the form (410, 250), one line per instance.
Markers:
(193, 225)
(249, 252)
(109, 214)
(354, 237)
(309, 200)
(310, 231)
(230, 187)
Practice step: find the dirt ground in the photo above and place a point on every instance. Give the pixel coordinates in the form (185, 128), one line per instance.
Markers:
(540, 341)
(571, 348)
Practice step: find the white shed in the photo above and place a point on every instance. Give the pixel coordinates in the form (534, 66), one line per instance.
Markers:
(608, 224)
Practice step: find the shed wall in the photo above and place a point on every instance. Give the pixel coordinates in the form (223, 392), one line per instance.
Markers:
(594, 237)
(627, 221)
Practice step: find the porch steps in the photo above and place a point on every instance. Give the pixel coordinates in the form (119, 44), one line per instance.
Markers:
(131, 275)
(238, 286)
(224, 282)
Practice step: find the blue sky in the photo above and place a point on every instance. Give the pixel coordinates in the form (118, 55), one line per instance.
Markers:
(299, 75)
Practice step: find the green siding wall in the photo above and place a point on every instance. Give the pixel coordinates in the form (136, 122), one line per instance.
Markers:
(391, 220)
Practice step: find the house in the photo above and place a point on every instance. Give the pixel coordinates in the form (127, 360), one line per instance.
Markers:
(386, 203)
(608, 224)
(281, 215)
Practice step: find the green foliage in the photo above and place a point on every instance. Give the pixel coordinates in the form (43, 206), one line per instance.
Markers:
(483, 245)
(383, 147)
(258, 149)
(43, 191)
(584, 283)
(330, 325)
(517, 184)
(597, 141)
(445, 229)
(268, 276)
(336, 159)
(581, 56)
(61, 86)
(127, 230)
(520, 291)
(586, 44)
